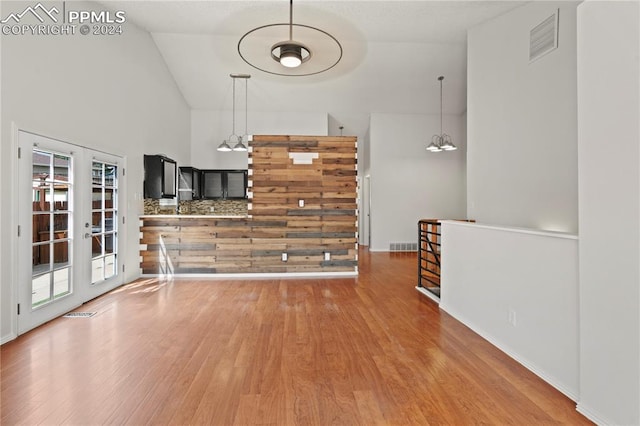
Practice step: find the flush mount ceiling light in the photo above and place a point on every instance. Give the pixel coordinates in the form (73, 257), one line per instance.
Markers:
(441, 142)
(239, 146)
(290, 57)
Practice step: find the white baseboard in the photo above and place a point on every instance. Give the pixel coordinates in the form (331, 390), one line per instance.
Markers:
(428, 294)
(7, 338)
(592, 415)
(569, 393)
(258, 275)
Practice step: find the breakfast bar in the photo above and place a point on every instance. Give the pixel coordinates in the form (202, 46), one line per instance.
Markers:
(301, 217)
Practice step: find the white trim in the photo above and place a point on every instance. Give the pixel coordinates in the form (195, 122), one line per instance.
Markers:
(512, 229)
(14, 240)
(258, 275)
(573, 395)
(428, 294)
(592, 415)
(8, 338)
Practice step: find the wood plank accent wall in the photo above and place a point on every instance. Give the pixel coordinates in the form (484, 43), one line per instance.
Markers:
(327, 223)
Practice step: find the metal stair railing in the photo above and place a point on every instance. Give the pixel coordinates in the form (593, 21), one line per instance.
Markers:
(429, 255)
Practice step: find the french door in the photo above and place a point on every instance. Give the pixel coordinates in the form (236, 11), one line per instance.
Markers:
(71, 233)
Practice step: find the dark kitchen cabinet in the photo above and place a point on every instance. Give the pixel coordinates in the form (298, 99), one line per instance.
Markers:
(224, 184)
(159, 177)
(189, 183)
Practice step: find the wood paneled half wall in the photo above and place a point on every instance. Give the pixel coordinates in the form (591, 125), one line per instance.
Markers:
(302, 216)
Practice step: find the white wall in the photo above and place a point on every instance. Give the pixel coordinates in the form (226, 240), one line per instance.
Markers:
(522, 144)
(488, 271)
(609, 182)
(409, 183)
(111, 93)
(210, 128)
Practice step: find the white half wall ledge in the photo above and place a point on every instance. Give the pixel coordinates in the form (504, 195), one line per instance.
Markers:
(531, 231)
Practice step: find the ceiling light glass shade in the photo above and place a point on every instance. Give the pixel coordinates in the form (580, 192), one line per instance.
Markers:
(290, 54)
(224, 147)
(434, 146)
(239, 146)
(447, 144)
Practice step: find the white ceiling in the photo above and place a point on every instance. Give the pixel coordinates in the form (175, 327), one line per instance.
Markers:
(393, 51)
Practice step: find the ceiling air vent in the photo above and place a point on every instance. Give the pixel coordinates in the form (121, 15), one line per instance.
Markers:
(543, 38)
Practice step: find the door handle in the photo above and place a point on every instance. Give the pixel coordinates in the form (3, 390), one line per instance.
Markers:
(87, 235)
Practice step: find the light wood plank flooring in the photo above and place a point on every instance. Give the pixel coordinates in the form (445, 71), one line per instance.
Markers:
(369, 351)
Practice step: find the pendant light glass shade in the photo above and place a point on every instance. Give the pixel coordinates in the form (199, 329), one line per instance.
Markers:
(434, 146)
(224, 147)
(290, 56)
(443, 141)
(239, 146)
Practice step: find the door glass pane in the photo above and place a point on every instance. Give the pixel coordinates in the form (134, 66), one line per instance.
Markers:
(41, 258)
(42, 196)
(108, 197)
(61, 196)
(61, 282)
(51, 221)
(109, 246)
(60, 226)
(97, 270)
(42, 166)
(40, 289)
(110, 175)
(97, 173)
(104, 221)
(60, 254)
(96, 245)
(96, 222)
(61, 167)
(109, 266)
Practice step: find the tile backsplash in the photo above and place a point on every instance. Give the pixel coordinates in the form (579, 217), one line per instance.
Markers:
(199, 207)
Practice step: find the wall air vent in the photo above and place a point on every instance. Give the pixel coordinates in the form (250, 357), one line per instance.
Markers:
(543, 38)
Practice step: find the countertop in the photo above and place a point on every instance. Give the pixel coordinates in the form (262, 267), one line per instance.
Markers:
(193, 216)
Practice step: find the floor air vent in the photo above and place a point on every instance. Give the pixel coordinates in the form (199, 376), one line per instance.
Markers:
(79, 314)
(403, 246)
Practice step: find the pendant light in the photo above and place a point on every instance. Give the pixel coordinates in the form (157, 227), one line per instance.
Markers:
(240, 146)
(442, 141)
(290, 53)
(224, 146)
(320, 52)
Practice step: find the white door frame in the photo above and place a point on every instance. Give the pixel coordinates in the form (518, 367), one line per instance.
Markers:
(81, 247)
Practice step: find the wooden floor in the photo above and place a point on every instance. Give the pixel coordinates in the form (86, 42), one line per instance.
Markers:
(370, 351)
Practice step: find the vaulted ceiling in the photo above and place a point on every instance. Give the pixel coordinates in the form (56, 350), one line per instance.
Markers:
(393, 51)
